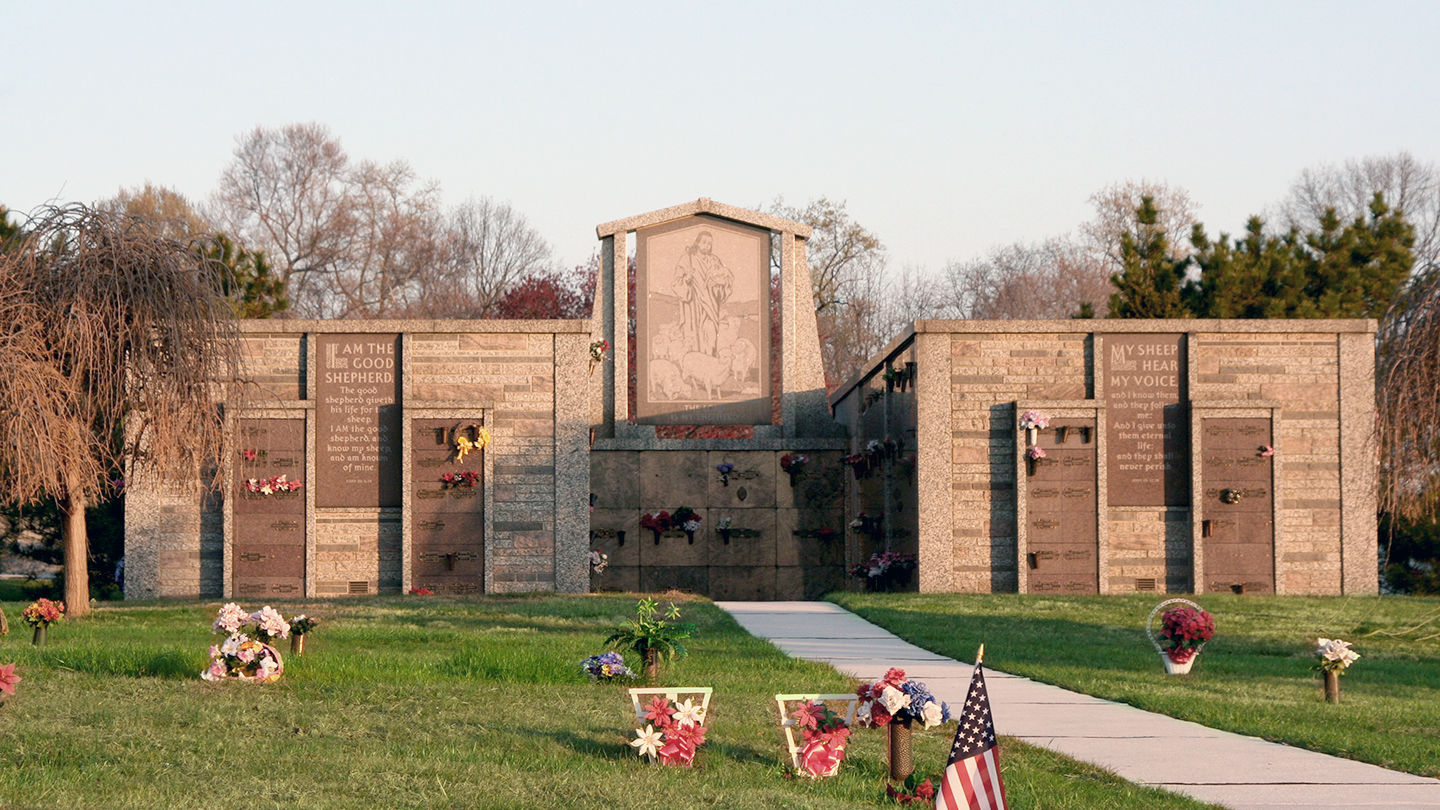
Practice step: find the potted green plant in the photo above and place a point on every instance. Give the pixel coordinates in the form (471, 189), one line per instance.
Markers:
(652, 636)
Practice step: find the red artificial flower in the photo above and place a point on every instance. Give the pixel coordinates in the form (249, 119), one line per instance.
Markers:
(8, 679)
(894, 676)
(879, 715)
(925, 790)
(821, 758)
(249, 455)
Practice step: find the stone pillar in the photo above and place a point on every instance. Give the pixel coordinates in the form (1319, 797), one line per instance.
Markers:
(1358, 464)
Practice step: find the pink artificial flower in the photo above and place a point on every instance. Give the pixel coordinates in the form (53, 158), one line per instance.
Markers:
(1267, 451)
(216, 671)
(8, 679)
(894, 676)
(658, 711)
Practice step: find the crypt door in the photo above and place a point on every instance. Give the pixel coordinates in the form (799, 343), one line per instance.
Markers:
(267, 554)
(447, 518)
(1062, 510)
(1237, 526)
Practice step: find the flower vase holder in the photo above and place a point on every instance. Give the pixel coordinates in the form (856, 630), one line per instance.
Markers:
(797, 748)
(38, 638)
(1331, 680)
(900, 756)
(297, 644)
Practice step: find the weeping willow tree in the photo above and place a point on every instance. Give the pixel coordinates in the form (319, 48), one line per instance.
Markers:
(1409, 402)
(116, 345)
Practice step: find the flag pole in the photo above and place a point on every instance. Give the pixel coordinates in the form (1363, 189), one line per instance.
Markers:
(980, 656)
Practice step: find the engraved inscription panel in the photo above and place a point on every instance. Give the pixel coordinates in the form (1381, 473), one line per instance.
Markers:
(702, 319)
(1237, 518)
(1062, 510)
(358, 421)
(1146, 424)
(267, 552)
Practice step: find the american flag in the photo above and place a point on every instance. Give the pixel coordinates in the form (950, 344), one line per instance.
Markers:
(972, 776)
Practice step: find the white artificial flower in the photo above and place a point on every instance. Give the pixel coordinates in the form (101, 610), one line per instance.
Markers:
(232, 644)
(932, 714)
(688, 714)
(862, 713)
(894, 699)
(1337, 651)
(647, 742)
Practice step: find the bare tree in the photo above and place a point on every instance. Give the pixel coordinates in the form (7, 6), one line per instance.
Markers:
(843, 254)
(488, 249)
(366, 239)
(1115, 207)
(1050, 279)
(1408, 185)
(114, 339)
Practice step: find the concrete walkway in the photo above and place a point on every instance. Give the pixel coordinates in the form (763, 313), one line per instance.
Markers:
(1213, 766)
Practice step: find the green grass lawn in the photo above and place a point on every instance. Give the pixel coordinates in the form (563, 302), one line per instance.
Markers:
(431, 702)
(1255, 677)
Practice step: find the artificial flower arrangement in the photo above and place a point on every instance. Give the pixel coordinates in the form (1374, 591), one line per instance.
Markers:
(270, 486)
(1036, 452)
(652, 637)
(793, 464)
(246, 654)
(606, 667)
(657, 522)
(465, 478)
(8, 679)
(464, 444)
(860, 464)
(43, 612)
(865, 523)
(40, 615)
(250, 453)
(1335, 655)
(883, 568)
(1267, 451)
(672, 731)
(825, 736)
(725, 468)
(421, 591)
(300, 627)
(1184, 629)
(599, 560)
(897, 699)
(598, 348)
(1034, 420)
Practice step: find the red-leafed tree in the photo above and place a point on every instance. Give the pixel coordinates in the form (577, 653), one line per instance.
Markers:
(551, 294)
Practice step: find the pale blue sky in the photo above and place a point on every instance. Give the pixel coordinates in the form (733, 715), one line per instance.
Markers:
(948, 127)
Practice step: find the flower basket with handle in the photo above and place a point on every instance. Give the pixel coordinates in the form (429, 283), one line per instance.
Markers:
(1184, 629)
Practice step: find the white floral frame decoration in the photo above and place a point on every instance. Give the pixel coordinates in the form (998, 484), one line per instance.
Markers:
(672, 693)
(787, 722)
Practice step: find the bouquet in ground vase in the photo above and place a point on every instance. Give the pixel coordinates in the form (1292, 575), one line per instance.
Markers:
(825, 734)
(896, 698)
(246, 654)
(672, 731)
(43, 612)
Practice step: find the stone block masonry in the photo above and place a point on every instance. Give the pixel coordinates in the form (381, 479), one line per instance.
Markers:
(1230, 455)
(527, 529)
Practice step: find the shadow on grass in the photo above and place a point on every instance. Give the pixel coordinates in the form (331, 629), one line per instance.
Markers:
(610, 747)
(173, 664)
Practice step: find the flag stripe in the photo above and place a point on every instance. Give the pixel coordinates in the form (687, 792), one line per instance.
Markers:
(947, 791)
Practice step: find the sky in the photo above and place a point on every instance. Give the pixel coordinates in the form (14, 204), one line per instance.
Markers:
(948, 128)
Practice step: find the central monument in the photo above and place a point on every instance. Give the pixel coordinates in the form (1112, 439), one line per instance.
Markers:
(715, 380)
